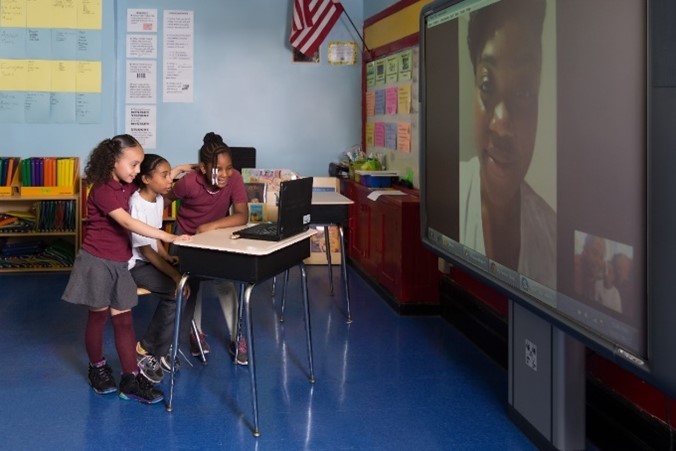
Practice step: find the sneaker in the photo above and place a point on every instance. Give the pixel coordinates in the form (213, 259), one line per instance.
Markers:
(242, 351)
(150, 368)
(140, 350)
(165, 362)
(101, 378)
(139, 388)
(194, 348)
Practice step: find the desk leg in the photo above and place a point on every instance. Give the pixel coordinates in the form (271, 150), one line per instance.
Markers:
(286, 284)
(306, 310)
(343, 264)
(174, 347)
(327, 242)
(252, 359)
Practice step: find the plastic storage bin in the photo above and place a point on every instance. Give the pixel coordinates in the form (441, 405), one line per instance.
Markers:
(376, 181)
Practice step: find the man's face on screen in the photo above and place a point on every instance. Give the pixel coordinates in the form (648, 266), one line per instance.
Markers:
(506, 86)
(593, 258)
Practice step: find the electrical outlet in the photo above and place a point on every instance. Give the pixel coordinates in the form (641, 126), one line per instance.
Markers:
(531, 355)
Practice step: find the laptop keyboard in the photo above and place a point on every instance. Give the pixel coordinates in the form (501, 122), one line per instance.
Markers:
(269, 228)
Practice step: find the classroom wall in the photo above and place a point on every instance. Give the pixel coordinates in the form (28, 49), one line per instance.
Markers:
(70, 139)
(299, 116)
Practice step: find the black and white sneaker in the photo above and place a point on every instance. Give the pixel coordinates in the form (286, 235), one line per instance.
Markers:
(165, 362)
(139, 388)
(150, 368)
(101, 378)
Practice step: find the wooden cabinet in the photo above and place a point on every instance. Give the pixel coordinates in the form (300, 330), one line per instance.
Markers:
(45, 236)
(384, 243)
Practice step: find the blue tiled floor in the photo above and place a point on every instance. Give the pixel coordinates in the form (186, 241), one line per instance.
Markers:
(384, 382)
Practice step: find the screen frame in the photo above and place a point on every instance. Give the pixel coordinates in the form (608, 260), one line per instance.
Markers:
(659, 366)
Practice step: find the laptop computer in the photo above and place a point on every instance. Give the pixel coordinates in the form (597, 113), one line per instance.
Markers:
(293, 213)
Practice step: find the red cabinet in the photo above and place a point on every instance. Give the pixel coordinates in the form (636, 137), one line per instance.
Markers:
(384, 243)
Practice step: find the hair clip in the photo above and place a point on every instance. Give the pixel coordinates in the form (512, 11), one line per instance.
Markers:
(214, 176)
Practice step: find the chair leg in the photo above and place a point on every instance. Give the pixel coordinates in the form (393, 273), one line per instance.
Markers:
(240, 315)
(174, 345)
(195, 331)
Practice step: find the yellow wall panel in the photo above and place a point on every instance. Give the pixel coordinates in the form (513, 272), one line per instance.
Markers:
(402, 23)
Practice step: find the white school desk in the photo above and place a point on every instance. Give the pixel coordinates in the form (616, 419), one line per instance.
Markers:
(215, 254)
(330, 208)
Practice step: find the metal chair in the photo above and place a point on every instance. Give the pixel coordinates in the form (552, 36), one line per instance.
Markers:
(140, 291)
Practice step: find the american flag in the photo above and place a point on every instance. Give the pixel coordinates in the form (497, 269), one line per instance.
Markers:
(312, 21)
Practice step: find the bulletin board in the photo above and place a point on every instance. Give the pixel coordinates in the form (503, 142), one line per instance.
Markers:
(390, 105)
(391, 110)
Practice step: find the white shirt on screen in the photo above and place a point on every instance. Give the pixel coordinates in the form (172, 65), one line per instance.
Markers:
(537, 254)
(609, 297)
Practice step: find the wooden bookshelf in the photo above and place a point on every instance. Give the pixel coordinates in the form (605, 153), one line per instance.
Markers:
(40, 215)
(44, 237)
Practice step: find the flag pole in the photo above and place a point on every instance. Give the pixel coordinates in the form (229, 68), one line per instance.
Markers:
(368, 50)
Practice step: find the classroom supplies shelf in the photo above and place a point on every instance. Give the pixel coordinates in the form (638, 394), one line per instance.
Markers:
(384, 244)
(39, 233)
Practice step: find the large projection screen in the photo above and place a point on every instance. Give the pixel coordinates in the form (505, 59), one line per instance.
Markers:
(534, 155)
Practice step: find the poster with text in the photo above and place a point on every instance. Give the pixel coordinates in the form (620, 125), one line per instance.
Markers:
(178, 56)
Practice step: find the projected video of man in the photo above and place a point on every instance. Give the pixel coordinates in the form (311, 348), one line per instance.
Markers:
(501, 214)
(603, 271)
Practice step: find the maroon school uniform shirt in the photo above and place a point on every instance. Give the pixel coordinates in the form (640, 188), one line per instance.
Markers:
(201, 204)
(104, 237)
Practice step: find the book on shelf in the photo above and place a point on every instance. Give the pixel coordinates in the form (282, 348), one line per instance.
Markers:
(49, 176)
(65, 171)
(3, 171)
(6, 219)
(8, 167)
(9, 175)
(48, 171)
(56, 216)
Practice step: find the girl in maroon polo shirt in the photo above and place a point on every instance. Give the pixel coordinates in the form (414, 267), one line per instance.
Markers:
(206, 197)
(100, 278)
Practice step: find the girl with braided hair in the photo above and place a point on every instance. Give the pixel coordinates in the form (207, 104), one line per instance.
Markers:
(207, 196)
(100, 278)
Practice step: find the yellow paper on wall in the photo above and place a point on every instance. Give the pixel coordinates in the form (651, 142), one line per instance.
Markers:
(369, 134)
(13, 75)
(63, 76)
(89, 14)
(405, 99)
(13, 13)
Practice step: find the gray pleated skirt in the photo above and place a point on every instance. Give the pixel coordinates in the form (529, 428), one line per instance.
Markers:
(99, 283)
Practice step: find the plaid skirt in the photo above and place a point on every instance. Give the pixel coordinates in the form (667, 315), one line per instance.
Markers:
(99, 283)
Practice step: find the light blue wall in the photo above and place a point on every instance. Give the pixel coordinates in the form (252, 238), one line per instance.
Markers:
(30, 140)
(298, 115)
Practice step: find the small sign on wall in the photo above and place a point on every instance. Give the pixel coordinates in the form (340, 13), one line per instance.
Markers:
(342, 52)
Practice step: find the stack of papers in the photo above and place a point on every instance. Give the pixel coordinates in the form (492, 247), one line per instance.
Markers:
(374, 195)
